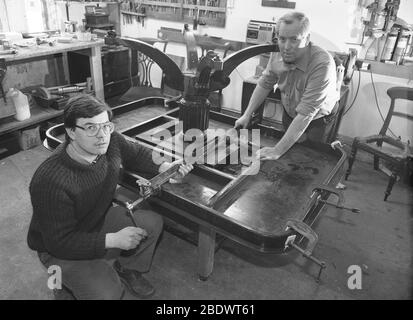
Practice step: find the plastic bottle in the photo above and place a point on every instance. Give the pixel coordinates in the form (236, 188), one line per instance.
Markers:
(21, 104)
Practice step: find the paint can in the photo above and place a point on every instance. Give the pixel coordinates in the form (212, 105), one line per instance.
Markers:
(21, 104)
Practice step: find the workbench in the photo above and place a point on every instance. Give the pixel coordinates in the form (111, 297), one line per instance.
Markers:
(257, 210)
(89, 48)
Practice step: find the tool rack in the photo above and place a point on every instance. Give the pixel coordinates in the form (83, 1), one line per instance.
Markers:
(209, 12)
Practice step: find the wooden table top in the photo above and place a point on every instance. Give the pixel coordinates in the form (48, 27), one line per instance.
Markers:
(45, 49)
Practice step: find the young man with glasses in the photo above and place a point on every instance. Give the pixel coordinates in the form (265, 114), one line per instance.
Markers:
(306, 77)
(74, 225)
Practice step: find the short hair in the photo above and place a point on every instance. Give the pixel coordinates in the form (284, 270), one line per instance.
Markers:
(83, 106)
(290, 17)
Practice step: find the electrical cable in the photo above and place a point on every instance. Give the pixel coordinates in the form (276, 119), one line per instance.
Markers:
(355, 96)
(377, 103)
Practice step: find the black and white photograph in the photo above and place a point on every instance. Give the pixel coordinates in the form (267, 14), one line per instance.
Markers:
(206, 157)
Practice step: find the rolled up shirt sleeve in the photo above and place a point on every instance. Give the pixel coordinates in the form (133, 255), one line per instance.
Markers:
(317, 93)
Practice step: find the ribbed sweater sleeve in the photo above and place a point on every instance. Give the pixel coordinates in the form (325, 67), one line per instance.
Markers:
(135, 157)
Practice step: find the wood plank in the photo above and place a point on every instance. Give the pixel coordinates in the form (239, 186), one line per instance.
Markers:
(175, 35)
(45, 50)
(278, 4)
(206, 251)
(96, 72)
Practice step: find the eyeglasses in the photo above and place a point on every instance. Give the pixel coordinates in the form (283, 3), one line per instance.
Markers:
(92, 130)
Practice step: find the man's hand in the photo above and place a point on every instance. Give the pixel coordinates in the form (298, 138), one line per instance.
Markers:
(267, 154)
(183, 170)
(242, 122)
(125, 239)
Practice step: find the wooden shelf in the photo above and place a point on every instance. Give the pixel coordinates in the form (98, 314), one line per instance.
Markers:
(162, 4)
(175, 35)
(133, 13)
(38, 115)
(278, 4)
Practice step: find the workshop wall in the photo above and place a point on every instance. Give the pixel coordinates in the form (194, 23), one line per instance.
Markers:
(4, 21)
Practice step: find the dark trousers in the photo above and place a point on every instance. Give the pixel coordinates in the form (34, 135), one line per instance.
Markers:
(96, 279)
(319, 130)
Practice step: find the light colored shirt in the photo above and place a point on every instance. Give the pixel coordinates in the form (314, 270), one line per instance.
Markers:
(309, 88)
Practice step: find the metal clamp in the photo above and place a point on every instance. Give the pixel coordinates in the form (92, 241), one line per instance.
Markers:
(130, 207)
(336, 143)
(145, 187)
(340, 196)
(305, 230)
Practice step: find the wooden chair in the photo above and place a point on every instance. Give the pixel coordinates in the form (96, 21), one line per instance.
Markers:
(399, 160)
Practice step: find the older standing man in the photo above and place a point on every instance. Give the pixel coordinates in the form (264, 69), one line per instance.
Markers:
(306, 77)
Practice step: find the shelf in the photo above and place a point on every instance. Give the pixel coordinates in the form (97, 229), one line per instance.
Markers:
(207, 8)
(278, 4)
(38, 115)
(133, 13)
(175, 35)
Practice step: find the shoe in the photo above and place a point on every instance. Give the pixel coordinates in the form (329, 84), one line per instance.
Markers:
(134, 281)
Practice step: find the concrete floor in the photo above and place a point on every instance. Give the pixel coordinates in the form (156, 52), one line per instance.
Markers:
(379, 240)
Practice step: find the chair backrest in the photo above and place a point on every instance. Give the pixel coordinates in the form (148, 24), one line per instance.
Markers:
(395, 93)
(145, 63)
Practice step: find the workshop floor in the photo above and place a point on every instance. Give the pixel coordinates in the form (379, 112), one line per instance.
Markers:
(379, 240)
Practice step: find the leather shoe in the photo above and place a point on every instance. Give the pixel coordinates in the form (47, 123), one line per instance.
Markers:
(134, 281)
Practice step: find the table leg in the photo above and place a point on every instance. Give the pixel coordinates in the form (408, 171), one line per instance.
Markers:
(66, 68)
(206, 251)
(95, 61)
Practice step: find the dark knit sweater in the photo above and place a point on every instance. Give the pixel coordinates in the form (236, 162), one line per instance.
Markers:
(70, 199)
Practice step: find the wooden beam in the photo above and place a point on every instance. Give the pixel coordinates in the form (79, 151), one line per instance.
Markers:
(278, 4)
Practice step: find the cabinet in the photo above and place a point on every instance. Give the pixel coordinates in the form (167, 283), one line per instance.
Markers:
(119, 69)
(209, 12)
